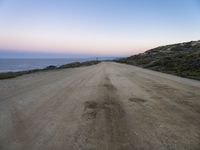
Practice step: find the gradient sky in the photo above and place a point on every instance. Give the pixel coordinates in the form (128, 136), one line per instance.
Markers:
(57, 28)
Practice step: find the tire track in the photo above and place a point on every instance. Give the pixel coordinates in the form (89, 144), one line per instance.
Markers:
(103, 124)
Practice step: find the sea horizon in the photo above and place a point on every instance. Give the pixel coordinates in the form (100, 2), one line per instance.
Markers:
(22, 64)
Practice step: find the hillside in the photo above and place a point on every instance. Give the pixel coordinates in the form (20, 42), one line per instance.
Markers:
(181, 59)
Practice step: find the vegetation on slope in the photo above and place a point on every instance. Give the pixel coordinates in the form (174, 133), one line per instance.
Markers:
(181, 59)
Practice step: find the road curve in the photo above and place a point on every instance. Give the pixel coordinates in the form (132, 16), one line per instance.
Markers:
(108, 106)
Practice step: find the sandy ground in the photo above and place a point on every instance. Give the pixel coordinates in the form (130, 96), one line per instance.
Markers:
(108, 106)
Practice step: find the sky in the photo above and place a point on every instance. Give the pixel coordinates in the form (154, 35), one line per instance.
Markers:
(77, 28)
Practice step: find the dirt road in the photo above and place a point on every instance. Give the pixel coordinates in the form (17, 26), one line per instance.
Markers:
(108, 106)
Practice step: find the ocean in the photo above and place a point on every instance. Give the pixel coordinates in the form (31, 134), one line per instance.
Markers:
(14, 65)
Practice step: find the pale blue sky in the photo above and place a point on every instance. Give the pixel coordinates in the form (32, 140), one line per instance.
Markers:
(95, 27)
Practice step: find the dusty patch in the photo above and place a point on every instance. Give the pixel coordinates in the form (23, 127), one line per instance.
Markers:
(90, 110)
(137, 100)
(90, 105)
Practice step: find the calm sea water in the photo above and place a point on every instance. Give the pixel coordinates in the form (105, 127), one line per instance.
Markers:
(28, 64)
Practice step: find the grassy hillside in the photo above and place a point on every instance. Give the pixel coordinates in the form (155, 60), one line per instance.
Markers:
(181, 59)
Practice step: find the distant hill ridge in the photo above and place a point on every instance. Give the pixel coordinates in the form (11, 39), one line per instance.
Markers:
(182, 59)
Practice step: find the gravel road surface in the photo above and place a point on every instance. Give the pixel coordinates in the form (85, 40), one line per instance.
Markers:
(108, 106)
